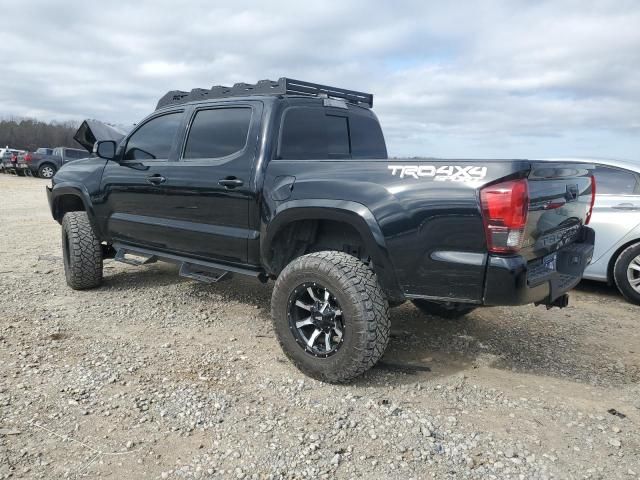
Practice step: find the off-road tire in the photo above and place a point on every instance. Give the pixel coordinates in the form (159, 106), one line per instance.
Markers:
(449, 310)
(365, 313)
(81, 251)
(620, 273)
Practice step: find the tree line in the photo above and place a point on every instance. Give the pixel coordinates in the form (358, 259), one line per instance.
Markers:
(30, 134)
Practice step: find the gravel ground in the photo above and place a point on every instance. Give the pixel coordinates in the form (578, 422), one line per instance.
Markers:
(154, 376)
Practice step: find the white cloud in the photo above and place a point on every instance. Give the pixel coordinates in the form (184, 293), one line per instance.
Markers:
(501, 78)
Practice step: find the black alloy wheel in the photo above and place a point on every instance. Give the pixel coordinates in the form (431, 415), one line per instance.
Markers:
(316, 319)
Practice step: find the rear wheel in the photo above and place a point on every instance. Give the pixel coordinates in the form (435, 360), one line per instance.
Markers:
(82, 252)
(626, 273)
(450, 310)
(330, 316)
(46, 171)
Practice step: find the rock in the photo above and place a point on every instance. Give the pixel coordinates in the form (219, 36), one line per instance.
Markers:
(336, 459)
(9, 431)
(614, 442)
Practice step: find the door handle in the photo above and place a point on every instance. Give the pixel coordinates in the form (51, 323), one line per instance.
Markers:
(156, 179)
(231, 182)
(625, 206)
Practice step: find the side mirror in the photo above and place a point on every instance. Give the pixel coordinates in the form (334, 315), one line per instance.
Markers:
(105, 149)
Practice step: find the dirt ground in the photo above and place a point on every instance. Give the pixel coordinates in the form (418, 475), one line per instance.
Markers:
(155, 376)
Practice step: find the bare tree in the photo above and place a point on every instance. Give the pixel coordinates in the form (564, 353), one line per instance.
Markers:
(30, 134)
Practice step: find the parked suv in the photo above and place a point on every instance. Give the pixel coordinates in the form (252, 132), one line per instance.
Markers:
(291, 181)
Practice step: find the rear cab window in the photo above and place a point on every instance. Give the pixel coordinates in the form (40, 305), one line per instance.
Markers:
(315, 132)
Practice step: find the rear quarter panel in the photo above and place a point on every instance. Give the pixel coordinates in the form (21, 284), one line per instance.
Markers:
(431, 222)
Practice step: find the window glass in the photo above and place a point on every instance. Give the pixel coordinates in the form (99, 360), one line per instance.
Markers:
(218, 133)
(154, 139)
(337, 136)
(367, 140)
(309, 133)
(304, 134)
(613, 181)
(75, 154)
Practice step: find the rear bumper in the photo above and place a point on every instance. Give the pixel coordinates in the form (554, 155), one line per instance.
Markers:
(514, 281)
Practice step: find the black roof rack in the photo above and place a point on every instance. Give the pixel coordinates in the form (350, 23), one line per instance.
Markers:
(283, 86)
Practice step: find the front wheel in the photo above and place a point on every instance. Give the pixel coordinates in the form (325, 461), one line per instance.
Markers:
(450, 310)
(626, 273)
(330, 316)
(82, 252)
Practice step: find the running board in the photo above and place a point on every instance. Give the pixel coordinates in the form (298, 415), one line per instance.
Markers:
(201, 270)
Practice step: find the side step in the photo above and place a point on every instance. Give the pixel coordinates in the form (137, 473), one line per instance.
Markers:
(137, 259)
(202, 274)
(201, 270)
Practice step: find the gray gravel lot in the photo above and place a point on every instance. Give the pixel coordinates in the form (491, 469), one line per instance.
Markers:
(154, 376)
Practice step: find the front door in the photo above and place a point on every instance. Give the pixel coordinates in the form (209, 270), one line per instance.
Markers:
(133, 189)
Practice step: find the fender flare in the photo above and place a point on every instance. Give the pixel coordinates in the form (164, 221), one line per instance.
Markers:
(77, 190)
(355, 214)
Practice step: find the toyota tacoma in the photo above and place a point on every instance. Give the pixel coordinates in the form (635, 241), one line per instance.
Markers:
(290, 181)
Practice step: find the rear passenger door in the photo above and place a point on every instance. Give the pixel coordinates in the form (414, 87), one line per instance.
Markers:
(209, 192)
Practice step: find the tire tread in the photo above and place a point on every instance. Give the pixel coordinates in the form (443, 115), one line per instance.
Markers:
(85, 252)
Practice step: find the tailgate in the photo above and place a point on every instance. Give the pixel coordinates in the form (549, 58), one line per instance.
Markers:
(560, 196)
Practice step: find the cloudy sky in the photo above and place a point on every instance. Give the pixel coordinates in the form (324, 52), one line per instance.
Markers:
(452, 79)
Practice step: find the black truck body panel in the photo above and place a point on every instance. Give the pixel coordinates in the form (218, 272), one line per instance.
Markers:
(420, 220)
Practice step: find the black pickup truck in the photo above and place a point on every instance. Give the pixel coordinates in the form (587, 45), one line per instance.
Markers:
(291, 181)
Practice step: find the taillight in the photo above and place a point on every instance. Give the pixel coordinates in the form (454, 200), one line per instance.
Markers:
(27, 157)
(505, 207)
(593, 200)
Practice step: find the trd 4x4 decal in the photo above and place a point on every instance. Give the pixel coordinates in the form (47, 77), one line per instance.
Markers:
(454, 173)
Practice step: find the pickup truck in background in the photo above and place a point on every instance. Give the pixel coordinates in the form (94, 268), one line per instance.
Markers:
(45, 162)
(290, 181)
